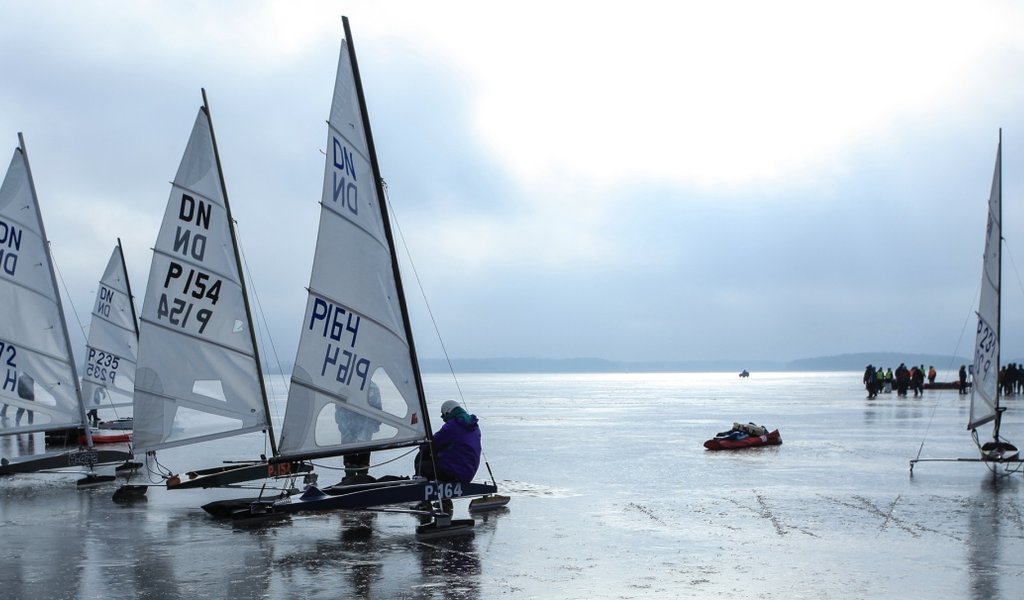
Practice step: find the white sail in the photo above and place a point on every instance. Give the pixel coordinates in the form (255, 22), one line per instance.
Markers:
(985, 385)
(197, 376)
(354, 386)
(111, 351)
(37, 374)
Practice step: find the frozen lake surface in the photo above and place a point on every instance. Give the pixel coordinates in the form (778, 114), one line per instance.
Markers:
(613, 496)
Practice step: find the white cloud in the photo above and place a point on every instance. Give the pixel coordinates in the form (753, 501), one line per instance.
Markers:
(711, 93)
(596, 169)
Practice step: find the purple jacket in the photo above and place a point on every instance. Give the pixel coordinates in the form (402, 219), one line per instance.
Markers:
(457, 444)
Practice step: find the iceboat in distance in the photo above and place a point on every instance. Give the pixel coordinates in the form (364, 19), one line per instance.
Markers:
(356, 339)
(199, 375)
(111, 349)
(39, 387)
(111, 353)
(985, 389)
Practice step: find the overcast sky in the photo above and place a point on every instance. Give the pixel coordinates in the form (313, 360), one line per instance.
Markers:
(631, 181)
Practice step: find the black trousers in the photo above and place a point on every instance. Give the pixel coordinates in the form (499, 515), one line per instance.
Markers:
(425, 467)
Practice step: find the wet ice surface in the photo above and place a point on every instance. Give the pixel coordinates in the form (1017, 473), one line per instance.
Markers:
(613, 496)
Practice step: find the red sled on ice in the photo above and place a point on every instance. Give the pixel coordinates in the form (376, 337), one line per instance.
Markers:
(744, 436)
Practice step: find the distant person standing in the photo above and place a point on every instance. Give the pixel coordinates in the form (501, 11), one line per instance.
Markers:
(1010, 383)
(931, 375)
(871, 381)
(917, 380)
(902, 380)
(888, 380)
(963, 379)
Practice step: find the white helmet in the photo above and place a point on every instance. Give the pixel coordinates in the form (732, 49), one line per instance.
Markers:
(448, 406)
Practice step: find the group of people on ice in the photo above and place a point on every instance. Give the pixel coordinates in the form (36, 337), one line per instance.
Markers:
(1011, 378)
(881, 379)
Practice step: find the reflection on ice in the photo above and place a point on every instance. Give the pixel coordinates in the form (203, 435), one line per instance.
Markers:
(612, 494)
(997, 502)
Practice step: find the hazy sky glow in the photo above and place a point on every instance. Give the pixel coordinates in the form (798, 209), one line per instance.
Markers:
(639, 181)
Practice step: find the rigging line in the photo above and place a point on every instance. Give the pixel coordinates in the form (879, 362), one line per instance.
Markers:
(963, 328)
(259, 309)
(433, 321)
(372, 466)
(928, 427)
(952, 359)
(67, 292)
(1013, 263)
(419, 284)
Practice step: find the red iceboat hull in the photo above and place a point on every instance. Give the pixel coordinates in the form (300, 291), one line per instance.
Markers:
(110, 436)
(772, 439)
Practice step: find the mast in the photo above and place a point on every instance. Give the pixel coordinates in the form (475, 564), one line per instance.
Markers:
(128, 287)
(378, 183)
(241, 279)
(999, 292)
(60, 305)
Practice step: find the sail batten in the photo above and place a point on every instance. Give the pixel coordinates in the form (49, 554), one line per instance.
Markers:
(191, 263)
(353, 408)
(196, 338)
(355, 224)
(199, 439)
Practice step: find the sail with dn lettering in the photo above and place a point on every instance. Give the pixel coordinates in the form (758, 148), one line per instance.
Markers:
(112, 348)
(199, 376)
(356, 386)
(39, 385)
(355, 369)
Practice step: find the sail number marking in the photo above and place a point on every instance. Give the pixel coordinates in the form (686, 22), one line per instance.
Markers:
(280, 469)
(195, 285)
(7, 354)
(102, 366)
(178, 312)
(336, 324)
(984, 353)
(83, 458)
(442, 491)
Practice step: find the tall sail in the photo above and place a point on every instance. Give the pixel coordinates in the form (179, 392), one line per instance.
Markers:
(111, 352)
(39, 387)
(355, 385)
(985, 386)
(198, 376)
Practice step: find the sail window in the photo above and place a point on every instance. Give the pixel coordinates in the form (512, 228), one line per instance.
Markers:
(363, 418)
(210, 388)
(391, 399)
(189, 423)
